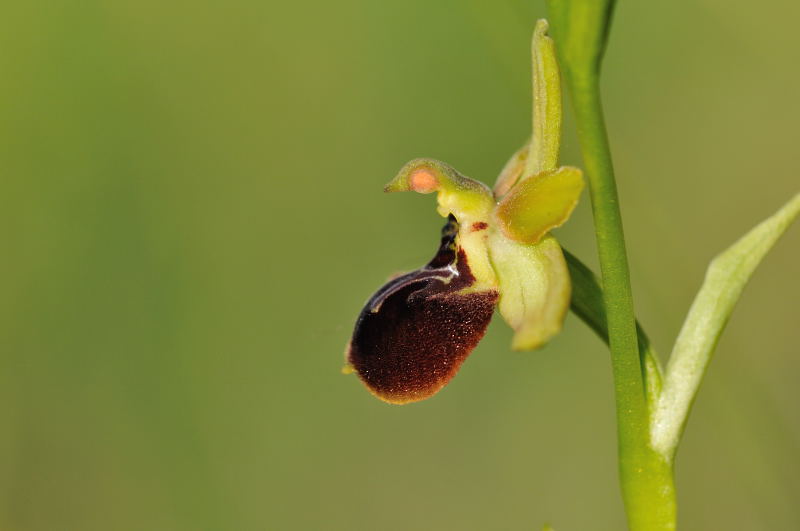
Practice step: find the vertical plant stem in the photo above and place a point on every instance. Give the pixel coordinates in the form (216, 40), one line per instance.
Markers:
(581, 29)
(645, 476)
(618, 300)
(587, 303)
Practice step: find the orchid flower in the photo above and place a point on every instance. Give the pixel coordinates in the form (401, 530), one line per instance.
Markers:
(496, 250)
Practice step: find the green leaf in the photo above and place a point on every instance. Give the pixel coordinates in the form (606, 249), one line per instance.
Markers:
(725, 279)
(537, 205)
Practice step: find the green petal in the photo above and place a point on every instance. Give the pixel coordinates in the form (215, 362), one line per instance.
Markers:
(534, 288)
(511, 171)
(539, 204)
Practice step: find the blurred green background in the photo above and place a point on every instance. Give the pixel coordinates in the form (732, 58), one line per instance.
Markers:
(191, 217)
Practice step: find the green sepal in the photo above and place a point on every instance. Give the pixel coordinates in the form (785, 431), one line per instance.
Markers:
(540, 152)
(546, 139)
(537, 205)
(534, 288)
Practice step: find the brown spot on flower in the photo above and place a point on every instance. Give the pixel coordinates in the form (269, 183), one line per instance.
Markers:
(416, 331)
(479, 225)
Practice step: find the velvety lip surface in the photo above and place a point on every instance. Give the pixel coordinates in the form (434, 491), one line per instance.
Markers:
(416, 331)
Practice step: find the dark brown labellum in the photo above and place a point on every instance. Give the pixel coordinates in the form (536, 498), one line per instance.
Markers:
(416, 331)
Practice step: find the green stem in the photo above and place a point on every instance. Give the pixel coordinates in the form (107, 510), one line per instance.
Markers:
(645, 476)
(587, 304)
(651, 502)
(580, 31)
(623, 340)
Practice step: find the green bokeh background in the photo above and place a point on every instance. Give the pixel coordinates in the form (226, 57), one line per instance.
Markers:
(191, 217)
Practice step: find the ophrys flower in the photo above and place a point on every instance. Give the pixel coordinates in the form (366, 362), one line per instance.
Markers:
(416, 331)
